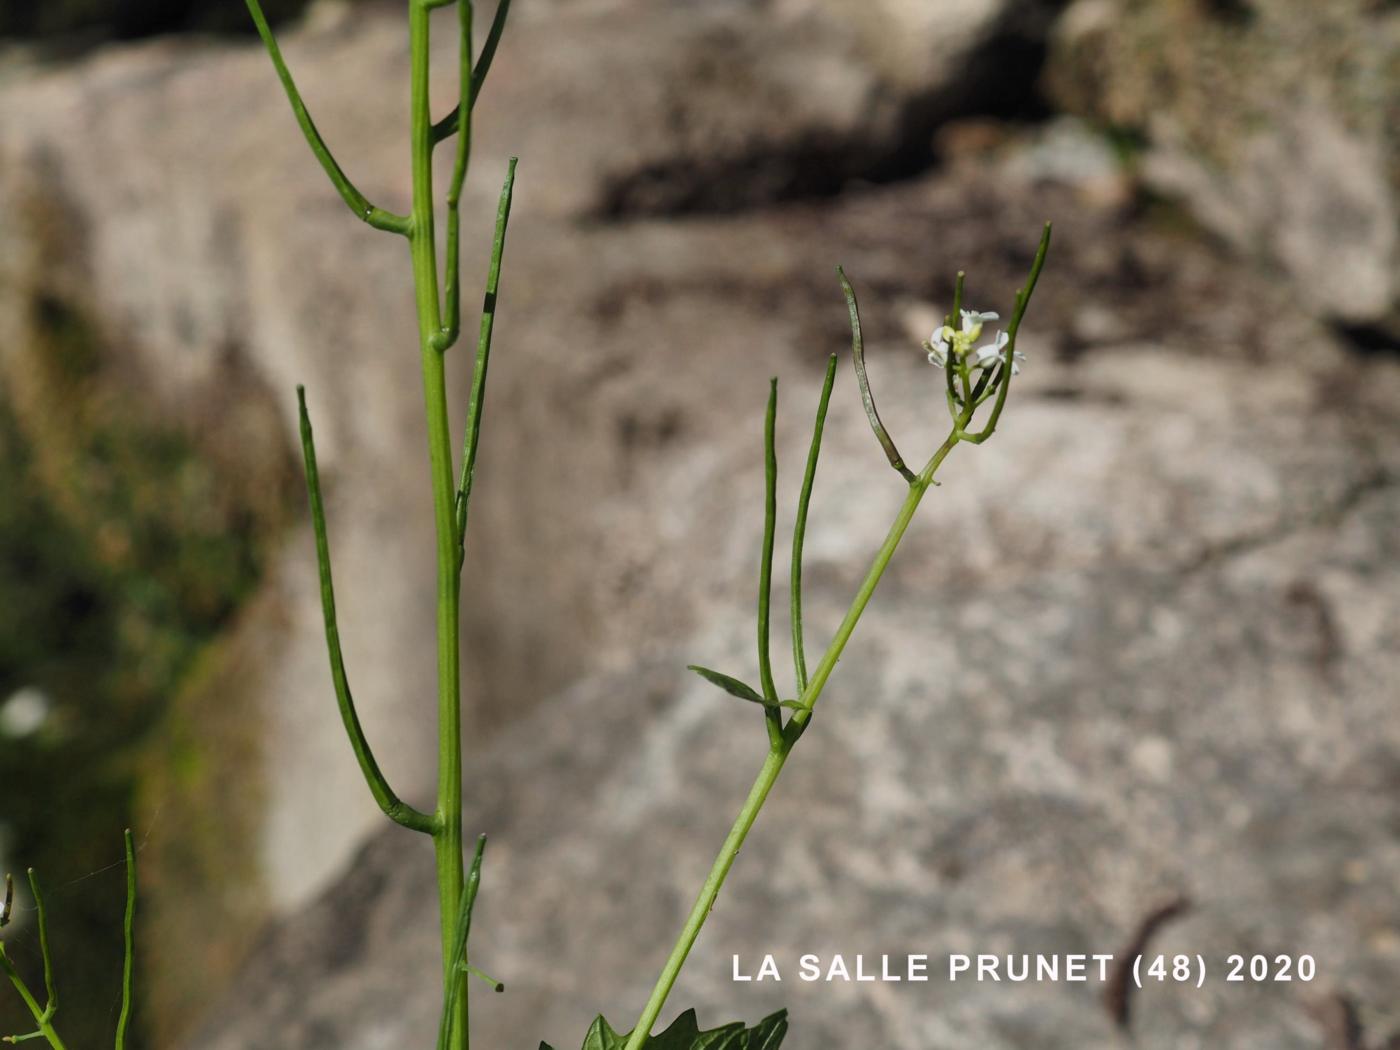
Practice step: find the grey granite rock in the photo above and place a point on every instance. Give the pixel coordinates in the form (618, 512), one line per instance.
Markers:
(1084, 705)
(162, 192)
(1138, 645)
(159, 193)
(1274, 122)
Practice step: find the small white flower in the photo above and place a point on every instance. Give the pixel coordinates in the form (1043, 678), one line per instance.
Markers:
(938, 346)
(972, 322)
(955, 344)
(991, 354)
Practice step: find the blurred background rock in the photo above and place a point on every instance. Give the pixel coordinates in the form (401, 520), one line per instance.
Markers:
(71, 24)
(1184, 538)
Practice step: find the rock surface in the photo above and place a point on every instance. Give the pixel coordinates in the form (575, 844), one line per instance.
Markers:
(247, 263)
(160, 194)
(1151, 661)
(1277, 123)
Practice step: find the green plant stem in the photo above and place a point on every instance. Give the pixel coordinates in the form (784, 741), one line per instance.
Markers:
(449, 502)
(822, 671)
(459, 964)
(719, 871)
(778, 753)
(447, 837)
(41, 1016)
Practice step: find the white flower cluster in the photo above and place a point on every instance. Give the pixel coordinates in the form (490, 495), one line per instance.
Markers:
(946, 342)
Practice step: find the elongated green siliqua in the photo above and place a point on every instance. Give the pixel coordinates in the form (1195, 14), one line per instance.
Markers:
(437, 294)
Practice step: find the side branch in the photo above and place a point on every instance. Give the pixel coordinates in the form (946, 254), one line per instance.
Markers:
(357, 202)
(858, 352)
(810, 692)
(45, 1029)
(394, 807)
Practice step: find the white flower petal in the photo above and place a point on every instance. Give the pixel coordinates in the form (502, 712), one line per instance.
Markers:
(984, 355)
(972, 319)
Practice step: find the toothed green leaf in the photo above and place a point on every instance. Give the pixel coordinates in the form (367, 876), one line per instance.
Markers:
(685, 1034)
(769, 1033)
(602, 1037)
